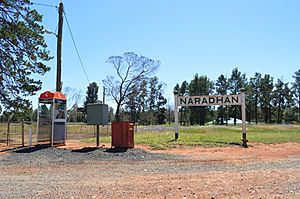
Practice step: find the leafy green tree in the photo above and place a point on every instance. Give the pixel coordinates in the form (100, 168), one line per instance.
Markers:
(237, 81)
(279, 99)
(153, 82)
(296, 89)
(131, 104)
(222, 85)
(266, 89)
(184, 88)
(161, 114)
(110, 114)
(142, 95)
(130, 69)
(176, 88)
(200, 86)
(142, 101)
(254, 86)
(22, 53)
(157, 101)
(289, 113)
(250, 105)
(25, 114)
(91, 95)
(184, 111)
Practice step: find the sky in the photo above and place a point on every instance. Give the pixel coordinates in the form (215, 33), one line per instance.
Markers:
(210, 37)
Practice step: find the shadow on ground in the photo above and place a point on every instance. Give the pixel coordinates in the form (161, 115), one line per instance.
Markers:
(117, 150)
(31, 149)
(85, 150)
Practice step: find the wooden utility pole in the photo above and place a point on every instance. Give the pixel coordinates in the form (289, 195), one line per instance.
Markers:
(59, 41)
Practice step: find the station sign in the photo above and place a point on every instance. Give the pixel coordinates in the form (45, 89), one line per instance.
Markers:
(206, 100)
(209, 100)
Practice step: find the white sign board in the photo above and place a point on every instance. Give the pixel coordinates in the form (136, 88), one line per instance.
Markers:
(209, 100)
(206, 100)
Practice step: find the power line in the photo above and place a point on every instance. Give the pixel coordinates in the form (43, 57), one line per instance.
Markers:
(41, 4)
(76, 48)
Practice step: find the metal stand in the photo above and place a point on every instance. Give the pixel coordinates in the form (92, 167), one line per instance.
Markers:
(98, 135)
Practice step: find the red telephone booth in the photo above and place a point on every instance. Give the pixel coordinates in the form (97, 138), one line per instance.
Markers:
(123, 134)
(51, 124)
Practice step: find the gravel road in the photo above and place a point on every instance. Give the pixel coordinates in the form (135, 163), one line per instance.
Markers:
(137, 173)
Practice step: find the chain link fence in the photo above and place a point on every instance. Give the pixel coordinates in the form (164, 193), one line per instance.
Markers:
(19, 134)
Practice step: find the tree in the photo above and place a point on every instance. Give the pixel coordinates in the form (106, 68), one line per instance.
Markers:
(296, 89)
(153, 82)
(289, 113)
(156, 102)
(183, 91)
(91, 95)
(161, 101)
(266, 89)
(254, 84)
(131, 104)
(142, 101)
(222, 85)
(22, 53)
(278, 99)
(142, 94)
(237, 81)
(130, 69)
(73, 95)
(199, 86)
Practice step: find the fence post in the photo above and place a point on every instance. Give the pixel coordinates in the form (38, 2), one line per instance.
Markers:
(30, 137)
(22, 123)
(8, 133)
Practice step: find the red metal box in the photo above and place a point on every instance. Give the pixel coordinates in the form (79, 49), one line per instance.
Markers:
(122, 134)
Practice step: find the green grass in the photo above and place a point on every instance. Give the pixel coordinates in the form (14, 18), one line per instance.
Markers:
(215, 136)
(162, 137)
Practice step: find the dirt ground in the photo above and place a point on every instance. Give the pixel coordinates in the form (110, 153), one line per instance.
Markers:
(260, 171)
(233, 153)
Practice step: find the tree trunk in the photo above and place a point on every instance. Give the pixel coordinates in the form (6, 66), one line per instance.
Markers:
(235, 111)
(117, 116)
(222, 115)
(278, 112)
(256, 117)
(269, 113)
(299, 108)
(265, 114)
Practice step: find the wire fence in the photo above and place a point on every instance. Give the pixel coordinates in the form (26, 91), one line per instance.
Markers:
(25, 134)
(17, 134)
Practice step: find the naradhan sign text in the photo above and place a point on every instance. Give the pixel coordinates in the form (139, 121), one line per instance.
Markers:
(209, 100)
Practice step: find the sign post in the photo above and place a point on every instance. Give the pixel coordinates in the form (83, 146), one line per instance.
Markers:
(244, 136)
(223, 100)
(176, 115)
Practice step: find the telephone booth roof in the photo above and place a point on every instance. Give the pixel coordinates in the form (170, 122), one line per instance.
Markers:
(52, 95)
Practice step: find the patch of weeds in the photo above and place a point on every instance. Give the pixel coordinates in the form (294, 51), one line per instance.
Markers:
(158, 146)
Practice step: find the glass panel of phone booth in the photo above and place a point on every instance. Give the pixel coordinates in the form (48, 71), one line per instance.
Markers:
(59, 121)
(45, 122)
(60, 111)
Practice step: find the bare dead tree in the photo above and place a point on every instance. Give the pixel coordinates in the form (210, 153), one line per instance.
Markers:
(130, 69)
(74, 96)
